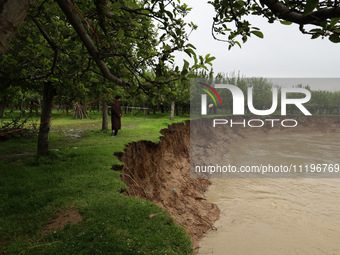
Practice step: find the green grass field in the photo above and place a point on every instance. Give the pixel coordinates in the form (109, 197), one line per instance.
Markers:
(77, 174)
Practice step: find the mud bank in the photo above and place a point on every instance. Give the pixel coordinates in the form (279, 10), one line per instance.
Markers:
(160, 172)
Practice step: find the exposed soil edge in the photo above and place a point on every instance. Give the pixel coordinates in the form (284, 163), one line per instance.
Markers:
(160, 172)
(67, 216)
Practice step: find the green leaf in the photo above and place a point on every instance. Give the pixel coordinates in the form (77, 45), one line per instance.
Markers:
(334, 21)
(153, 101)
(195, 59)
(120, 33)
(323, 23)
(257, 33)
(316, 30)
(315, 36)
(167, 47)
(239, 4)
(334, 38)
(191, 46)
(186, 64)
(184, 72)
(54, 79)
(192, 75)
(208, 59)
(170, 15)
(147, 12)
(115, 6)
(285, 22)
(310, 6)
(94, 80)
(239, 45)
(190, 52)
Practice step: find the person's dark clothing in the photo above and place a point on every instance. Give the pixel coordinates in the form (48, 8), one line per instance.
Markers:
(116, 112)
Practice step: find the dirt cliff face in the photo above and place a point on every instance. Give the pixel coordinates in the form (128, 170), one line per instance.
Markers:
(161, 173)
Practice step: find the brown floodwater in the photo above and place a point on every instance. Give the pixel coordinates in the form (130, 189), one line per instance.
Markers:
(262, 216)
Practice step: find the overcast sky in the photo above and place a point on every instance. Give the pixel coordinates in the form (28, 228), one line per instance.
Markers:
(284, 51)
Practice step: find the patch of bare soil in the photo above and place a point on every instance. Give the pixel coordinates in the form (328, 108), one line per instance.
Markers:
(161, 173)
(65, 217)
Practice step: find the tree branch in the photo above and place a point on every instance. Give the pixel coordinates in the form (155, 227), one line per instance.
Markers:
(314, 18)
(53, 46)
(87, 41)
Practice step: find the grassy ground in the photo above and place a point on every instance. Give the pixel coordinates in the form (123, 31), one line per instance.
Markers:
(77, 174)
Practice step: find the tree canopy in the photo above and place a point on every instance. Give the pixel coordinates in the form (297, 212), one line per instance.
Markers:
(314, 17)
(64, 47)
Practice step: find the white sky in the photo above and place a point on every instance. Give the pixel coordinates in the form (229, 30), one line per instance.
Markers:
(284, 51)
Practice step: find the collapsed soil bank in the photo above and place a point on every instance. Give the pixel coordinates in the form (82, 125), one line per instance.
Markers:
(161, 172)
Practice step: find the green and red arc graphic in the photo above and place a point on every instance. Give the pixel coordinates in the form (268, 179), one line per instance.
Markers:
(209, 93)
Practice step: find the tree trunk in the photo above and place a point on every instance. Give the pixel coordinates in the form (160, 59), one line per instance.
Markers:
(12, 15)
(177, 110)
(172, 113)
(2, 109)
(31, 107)
(144, 109)
(133, 105)
(46, 113)
(22, 109)
(105, 122)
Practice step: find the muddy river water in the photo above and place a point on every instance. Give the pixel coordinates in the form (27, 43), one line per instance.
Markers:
(262, 216)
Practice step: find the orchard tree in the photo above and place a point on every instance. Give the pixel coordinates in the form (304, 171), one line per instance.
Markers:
(62, 44)
(47, 58)
(314, 17)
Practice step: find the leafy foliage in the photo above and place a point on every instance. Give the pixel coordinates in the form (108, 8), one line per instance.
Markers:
(88, 48)
(322, 18)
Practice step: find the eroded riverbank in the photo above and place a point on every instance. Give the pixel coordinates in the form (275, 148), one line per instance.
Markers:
(160, 172)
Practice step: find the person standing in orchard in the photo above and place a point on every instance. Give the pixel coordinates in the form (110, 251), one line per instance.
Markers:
(116, 114)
